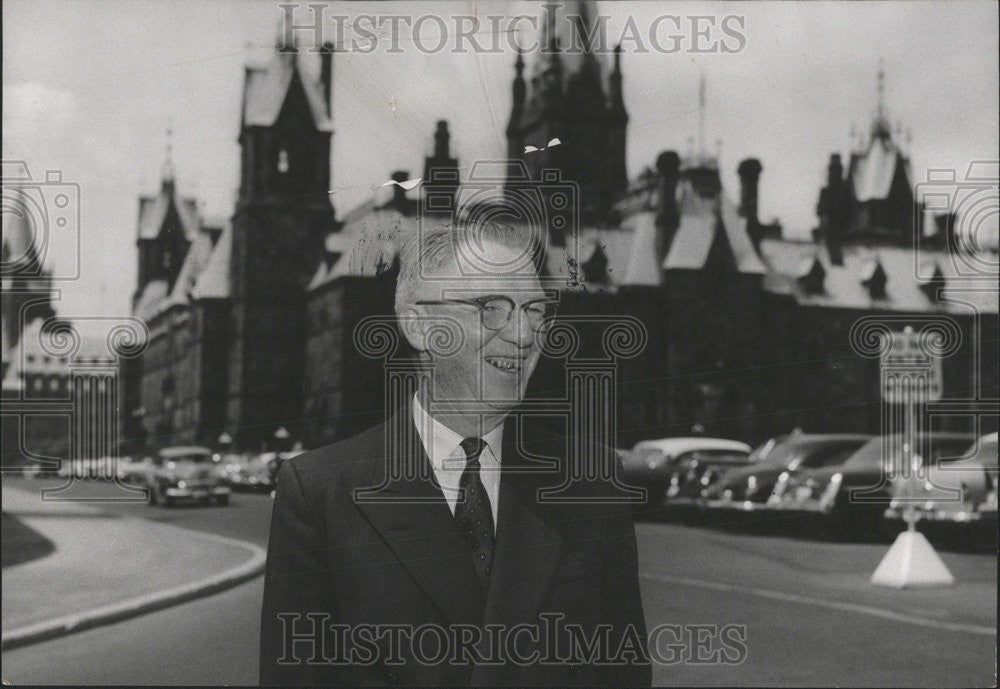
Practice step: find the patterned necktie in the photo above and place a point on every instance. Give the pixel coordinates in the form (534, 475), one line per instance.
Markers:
(473, 513)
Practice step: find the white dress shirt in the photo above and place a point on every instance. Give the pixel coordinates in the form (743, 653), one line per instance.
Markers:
(444, 449)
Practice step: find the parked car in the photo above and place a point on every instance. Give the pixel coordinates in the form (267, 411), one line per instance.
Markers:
(748, 488)
(694, 473)
(852, 497)
(961, 491)
(131, 468)
(650, 463)
(248, 472)
(180, 473)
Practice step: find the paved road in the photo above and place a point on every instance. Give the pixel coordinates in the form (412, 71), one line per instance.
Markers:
(808, 617)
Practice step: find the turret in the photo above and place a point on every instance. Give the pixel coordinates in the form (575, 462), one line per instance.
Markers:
(441, 176)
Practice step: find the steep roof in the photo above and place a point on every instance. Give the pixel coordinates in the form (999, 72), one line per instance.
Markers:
(844, 285)
(871, 171)
(153, 211)
(148, 304)
(643, 267)
(213, 280)
(615, 243)
(700, 219)
(366, 243)
(266, 87)
(194, 262)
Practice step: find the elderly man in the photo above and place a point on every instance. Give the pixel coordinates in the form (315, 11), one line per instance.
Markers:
(426, 551)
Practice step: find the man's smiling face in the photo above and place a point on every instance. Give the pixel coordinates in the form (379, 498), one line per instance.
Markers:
(491, 367)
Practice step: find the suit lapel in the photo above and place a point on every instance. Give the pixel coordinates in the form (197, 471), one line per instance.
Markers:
(527, 548)
(411, 514)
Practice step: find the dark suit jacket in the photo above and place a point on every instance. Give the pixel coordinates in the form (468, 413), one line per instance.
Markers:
(362, 563)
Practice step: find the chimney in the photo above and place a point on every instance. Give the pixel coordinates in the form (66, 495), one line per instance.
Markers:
(326, 76)
(749, 172)
(442, 140)
(834, 210)
(835, 170)
(668, 166)
(399, 200)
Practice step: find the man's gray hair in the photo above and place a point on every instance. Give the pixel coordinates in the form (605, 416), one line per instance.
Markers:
(441, 250)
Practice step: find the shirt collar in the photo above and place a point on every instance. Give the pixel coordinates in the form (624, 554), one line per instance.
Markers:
(441, 442)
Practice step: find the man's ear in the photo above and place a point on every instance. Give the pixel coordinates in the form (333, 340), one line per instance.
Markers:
(413, 328)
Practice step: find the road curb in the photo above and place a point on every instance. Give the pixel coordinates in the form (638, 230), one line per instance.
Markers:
(132, 607)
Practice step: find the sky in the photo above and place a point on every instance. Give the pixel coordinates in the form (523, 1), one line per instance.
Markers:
(91, 86)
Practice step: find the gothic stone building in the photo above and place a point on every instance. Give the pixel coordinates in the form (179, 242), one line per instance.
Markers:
(225, 305)
(748, 331)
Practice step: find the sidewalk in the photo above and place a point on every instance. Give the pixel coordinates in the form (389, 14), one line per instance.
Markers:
(107, 567)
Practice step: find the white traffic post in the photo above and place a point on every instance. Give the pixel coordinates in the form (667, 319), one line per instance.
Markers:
(915, 378)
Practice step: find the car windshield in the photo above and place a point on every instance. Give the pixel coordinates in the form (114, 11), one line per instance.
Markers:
(643, 451)
(192, 457)
(825, 454)
(714, 457)
(933, 450)
(763, 453)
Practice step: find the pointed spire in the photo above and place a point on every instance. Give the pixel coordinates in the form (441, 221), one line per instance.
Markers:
(881, 88)
(519, 94)
(616, 99)
(168, 164)
(582, 25)
(547, 84)
(701, 117)
(551, 61)
(880, 126)
(286, 37)
(326, 76)
(550, 37)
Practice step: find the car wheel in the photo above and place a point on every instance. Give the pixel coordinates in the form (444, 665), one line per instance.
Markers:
(168, 501)
(223, 500)
(151, 496)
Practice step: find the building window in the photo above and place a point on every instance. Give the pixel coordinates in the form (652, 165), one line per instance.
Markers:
(282, 161)
(38, 384)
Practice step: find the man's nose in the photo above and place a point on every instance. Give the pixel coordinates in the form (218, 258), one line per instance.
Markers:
(518, 329)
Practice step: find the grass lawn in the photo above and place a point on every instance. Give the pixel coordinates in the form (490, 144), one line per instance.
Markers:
(21, 543)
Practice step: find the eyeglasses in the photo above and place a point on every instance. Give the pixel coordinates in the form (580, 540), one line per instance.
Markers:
(496, 310)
